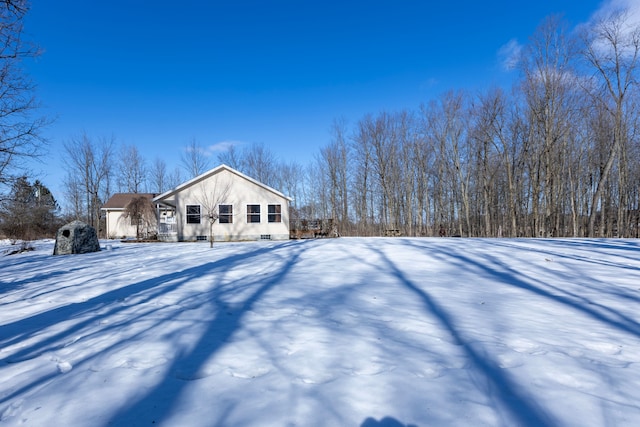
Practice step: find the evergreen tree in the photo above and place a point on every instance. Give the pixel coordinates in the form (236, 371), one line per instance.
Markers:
(29, 212)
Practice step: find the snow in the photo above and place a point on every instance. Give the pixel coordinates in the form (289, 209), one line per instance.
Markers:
(365, 332)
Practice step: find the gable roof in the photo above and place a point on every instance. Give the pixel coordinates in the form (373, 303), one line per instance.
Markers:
(120, 200)
(212, 172)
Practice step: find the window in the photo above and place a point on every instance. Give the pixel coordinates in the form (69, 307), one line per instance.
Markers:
(193, 214)
(275, 213)
(253, 213)
(225, 214)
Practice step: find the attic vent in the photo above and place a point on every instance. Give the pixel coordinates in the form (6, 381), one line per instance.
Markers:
(265, 237)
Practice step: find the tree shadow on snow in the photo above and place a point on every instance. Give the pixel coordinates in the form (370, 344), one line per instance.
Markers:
(625, 251)
(158, 404)
(501, 272)
(504, 389)
(516, 403)
(103, 308)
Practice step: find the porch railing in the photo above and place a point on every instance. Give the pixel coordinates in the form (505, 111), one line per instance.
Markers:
(165, 228)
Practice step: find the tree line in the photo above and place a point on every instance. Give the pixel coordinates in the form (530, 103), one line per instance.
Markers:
(558, 155)
(555, 155)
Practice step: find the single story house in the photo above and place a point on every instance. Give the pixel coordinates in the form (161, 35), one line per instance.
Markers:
(226, 203)
(119, 224)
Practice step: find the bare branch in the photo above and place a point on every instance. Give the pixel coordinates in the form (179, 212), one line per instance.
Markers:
(19, 130)
(212, 194)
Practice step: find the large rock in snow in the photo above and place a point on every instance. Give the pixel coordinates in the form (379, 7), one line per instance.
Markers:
(76, 238)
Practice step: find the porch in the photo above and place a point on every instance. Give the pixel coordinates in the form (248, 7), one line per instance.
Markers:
(167, 224)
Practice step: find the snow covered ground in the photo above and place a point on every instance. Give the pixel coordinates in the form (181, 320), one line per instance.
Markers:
(346, 332)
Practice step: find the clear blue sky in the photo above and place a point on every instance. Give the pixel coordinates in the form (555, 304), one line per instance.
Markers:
(157, 74)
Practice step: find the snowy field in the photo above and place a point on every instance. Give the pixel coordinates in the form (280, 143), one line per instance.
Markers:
(346, 332)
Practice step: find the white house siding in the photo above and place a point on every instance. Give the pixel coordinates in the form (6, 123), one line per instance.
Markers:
(242, 191)
(117, 226)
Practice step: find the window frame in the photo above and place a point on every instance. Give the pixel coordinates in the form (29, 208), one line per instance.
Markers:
(190, 216)
(225, 217)
(253, 214)
(275, 216)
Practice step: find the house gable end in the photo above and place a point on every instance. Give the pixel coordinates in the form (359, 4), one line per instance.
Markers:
(206, 175)
(196, 206)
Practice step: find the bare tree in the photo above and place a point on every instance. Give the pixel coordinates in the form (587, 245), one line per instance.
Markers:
(74, 192)
(313, 202)
(160, 179)
(132, 170)
(292, 181)
(391, 139)
(549, 77)
(384, 153)
(408, 139)
(232, 158)
(91, 163)
(448, 126)
(174, 178)
(611, 47)
(158, 176)
(195, 159)
(336, 158)
(362, 180)
(20, 137)
(261, 164)
(485, 112)
(211, 196)
(257, 161)
(424, 161)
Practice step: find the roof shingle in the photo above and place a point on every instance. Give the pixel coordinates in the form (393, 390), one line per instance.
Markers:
(120, 200)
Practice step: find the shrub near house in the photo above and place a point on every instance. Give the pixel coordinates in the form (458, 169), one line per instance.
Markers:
(130, 215)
